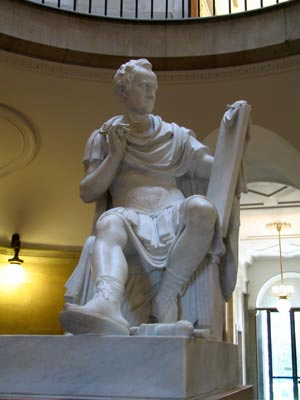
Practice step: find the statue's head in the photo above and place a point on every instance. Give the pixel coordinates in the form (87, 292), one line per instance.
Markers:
(136, 85)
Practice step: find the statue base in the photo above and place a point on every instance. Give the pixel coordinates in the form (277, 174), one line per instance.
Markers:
(118, 367)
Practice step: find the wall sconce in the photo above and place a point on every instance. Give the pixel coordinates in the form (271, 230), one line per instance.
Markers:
(13, 273)
(16, 245)
(282, 292)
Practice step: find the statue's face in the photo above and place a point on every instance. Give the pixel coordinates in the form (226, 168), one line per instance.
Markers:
(140, 96)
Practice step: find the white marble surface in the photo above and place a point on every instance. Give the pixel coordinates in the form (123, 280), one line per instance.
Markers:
(115, 367)
(156, 173)
(139, 158)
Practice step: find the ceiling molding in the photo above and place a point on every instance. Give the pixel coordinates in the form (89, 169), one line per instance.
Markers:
(272, 236)
(261, 193)
(26, 144)
(98, 74)
(269, 195)
(233, 73)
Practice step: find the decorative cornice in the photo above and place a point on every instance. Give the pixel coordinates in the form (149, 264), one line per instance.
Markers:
(208, 75)
(234, 73)
(54, 68)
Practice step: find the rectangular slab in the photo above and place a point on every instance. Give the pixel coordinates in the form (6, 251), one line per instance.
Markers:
(115, 367)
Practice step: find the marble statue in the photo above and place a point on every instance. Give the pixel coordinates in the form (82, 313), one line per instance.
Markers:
(137, 170)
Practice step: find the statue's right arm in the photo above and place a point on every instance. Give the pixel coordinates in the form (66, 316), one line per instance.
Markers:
(99, 174)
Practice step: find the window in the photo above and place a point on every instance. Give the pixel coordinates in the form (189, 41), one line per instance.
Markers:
(278, 354)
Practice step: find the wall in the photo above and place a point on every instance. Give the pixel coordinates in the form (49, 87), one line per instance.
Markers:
(33, 307)
(262, 270)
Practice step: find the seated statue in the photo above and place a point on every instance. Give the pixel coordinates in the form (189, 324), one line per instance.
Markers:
(140, 161)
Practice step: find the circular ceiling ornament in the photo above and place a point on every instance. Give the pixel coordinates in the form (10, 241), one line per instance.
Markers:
(20, 141)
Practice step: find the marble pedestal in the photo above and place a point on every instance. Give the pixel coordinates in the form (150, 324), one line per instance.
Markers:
(116, 367)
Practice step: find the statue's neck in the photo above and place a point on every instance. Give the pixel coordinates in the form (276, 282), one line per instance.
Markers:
(143, 125)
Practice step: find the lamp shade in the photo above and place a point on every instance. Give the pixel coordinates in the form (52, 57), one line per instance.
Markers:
(283, 305)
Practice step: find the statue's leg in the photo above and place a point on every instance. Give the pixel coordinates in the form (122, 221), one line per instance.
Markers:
(102, 314)
(199, 218)
(108, 258)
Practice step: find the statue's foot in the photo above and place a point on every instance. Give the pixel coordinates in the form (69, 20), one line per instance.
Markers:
(78, 320)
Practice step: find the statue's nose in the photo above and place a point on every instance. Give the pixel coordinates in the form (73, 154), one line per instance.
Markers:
(151, 92)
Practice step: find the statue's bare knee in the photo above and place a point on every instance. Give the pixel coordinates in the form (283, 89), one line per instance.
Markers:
(200, 213)
(112, 230)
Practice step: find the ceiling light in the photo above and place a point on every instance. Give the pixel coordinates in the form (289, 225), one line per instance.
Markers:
(282, 292)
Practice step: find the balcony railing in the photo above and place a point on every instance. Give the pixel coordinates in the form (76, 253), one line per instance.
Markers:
(158, 9)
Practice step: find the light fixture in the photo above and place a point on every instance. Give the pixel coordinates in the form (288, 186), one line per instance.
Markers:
(282, 292)
(13, 273)
(16, 245)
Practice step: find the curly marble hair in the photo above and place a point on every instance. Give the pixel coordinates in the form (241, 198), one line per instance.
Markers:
(125, 74)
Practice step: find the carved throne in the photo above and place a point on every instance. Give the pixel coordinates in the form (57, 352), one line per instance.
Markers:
(202, 301)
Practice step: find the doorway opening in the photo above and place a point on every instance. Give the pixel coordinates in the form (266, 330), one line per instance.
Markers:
(278, 344)
(278, 354)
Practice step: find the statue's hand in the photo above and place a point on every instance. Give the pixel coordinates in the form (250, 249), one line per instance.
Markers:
(117, 141)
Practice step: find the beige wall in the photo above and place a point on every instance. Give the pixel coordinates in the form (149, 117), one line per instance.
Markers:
(33, 307)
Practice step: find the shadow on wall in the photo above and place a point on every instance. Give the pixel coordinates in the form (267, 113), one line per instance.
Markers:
(269, 158)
